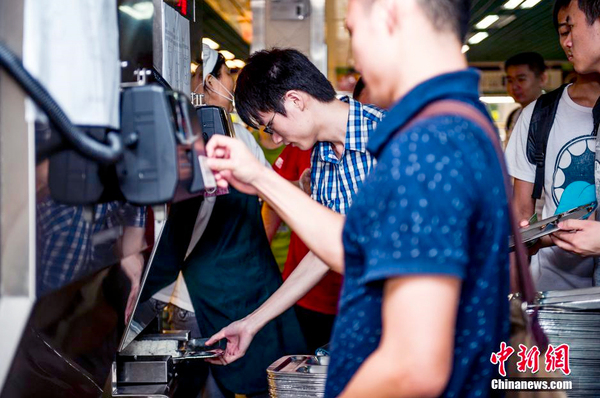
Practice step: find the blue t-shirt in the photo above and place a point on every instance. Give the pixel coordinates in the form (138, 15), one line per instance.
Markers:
(435, 204)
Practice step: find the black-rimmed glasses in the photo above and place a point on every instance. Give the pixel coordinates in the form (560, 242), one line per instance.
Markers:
(268, 128)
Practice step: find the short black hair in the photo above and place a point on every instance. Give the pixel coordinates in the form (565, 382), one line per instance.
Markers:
(533, 60)
(453, 15)
(591, 9)
(358, 87)
(558, 5)
(269, 75)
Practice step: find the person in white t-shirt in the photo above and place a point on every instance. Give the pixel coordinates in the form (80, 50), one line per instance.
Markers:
(579, 28)
(569, 175)
(568, 179)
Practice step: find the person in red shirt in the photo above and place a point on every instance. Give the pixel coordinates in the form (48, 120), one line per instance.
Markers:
(317, 309)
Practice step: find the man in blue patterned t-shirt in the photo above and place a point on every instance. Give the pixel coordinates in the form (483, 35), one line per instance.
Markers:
(424, 245)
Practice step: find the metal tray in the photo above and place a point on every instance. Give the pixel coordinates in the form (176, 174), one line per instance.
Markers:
(197, 349)
(175, 346)
(298, 376)
(550, 224)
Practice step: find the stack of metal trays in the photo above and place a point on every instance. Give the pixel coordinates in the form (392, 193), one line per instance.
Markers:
(298, 376)
(573, 317)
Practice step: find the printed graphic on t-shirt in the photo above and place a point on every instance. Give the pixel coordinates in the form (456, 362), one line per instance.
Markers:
(573, 180)
(597, 163)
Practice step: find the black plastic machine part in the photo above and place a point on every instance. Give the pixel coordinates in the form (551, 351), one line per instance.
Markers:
(84, 144)
(153, 160)
(162, 140)
(161, 164)
(214, 120)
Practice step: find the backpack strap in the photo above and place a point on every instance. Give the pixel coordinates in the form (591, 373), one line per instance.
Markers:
(596, 114)
(541, 123)
(521, 264)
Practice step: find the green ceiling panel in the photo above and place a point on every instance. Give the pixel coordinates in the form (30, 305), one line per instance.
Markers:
(532, 30)
(217, 29)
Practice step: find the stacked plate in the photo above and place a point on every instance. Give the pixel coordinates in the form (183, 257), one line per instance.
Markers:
(573, 318)
(298, 376)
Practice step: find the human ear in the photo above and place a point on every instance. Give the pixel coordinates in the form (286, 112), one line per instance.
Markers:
(296, 98)
(389, 14)
(209, 83)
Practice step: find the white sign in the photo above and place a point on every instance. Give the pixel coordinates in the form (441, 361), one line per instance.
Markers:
(176, 49)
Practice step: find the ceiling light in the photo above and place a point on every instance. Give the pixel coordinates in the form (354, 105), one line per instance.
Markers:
(529, 3)
(511, 4)
(487, 22)
(504, 20)
(139, 11)
(497, 99)
(235, 64)
(228, 55)
(239, 63)
(211, 43)
(478, 37)
(465, 48)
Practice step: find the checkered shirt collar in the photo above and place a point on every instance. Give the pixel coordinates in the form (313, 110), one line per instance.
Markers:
(357, 133)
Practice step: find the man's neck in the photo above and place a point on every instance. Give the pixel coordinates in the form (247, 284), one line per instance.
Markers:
(440, 55)
(331, 123)
(586, 90)
(524, 104)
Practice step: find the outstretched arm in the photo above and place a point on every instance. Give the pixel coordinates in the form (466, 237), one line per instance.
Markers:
(271, 221)
(524, 207)
(132, 263)
(318, 227)
(239, 334)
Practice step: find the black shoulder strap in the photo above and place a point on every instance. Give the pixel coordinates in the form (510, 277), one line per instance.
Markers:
(539, 131)
(596, 114)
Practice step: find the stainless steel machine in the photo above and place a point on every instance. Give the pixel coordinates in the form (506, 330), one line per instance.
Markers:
(80, 193)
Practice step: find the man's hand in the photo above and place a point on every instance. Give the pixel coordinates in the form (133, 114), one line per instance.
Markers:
(305, 182)
(232, 163)
(538, 244)
(239, 335)
(578, 236)
(132, 266)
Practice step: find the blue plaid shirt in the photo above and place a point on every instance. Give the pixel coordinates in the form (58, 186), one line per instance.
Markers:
(335, 181)
(70, 247)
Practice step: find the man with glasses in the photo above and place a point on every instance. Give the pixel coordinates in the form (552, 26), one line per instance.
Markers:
(283, 91)
(297, 105)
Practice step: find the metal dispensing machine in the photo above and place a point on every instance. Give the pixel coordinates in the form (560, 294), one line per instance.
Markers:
(97, 135)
